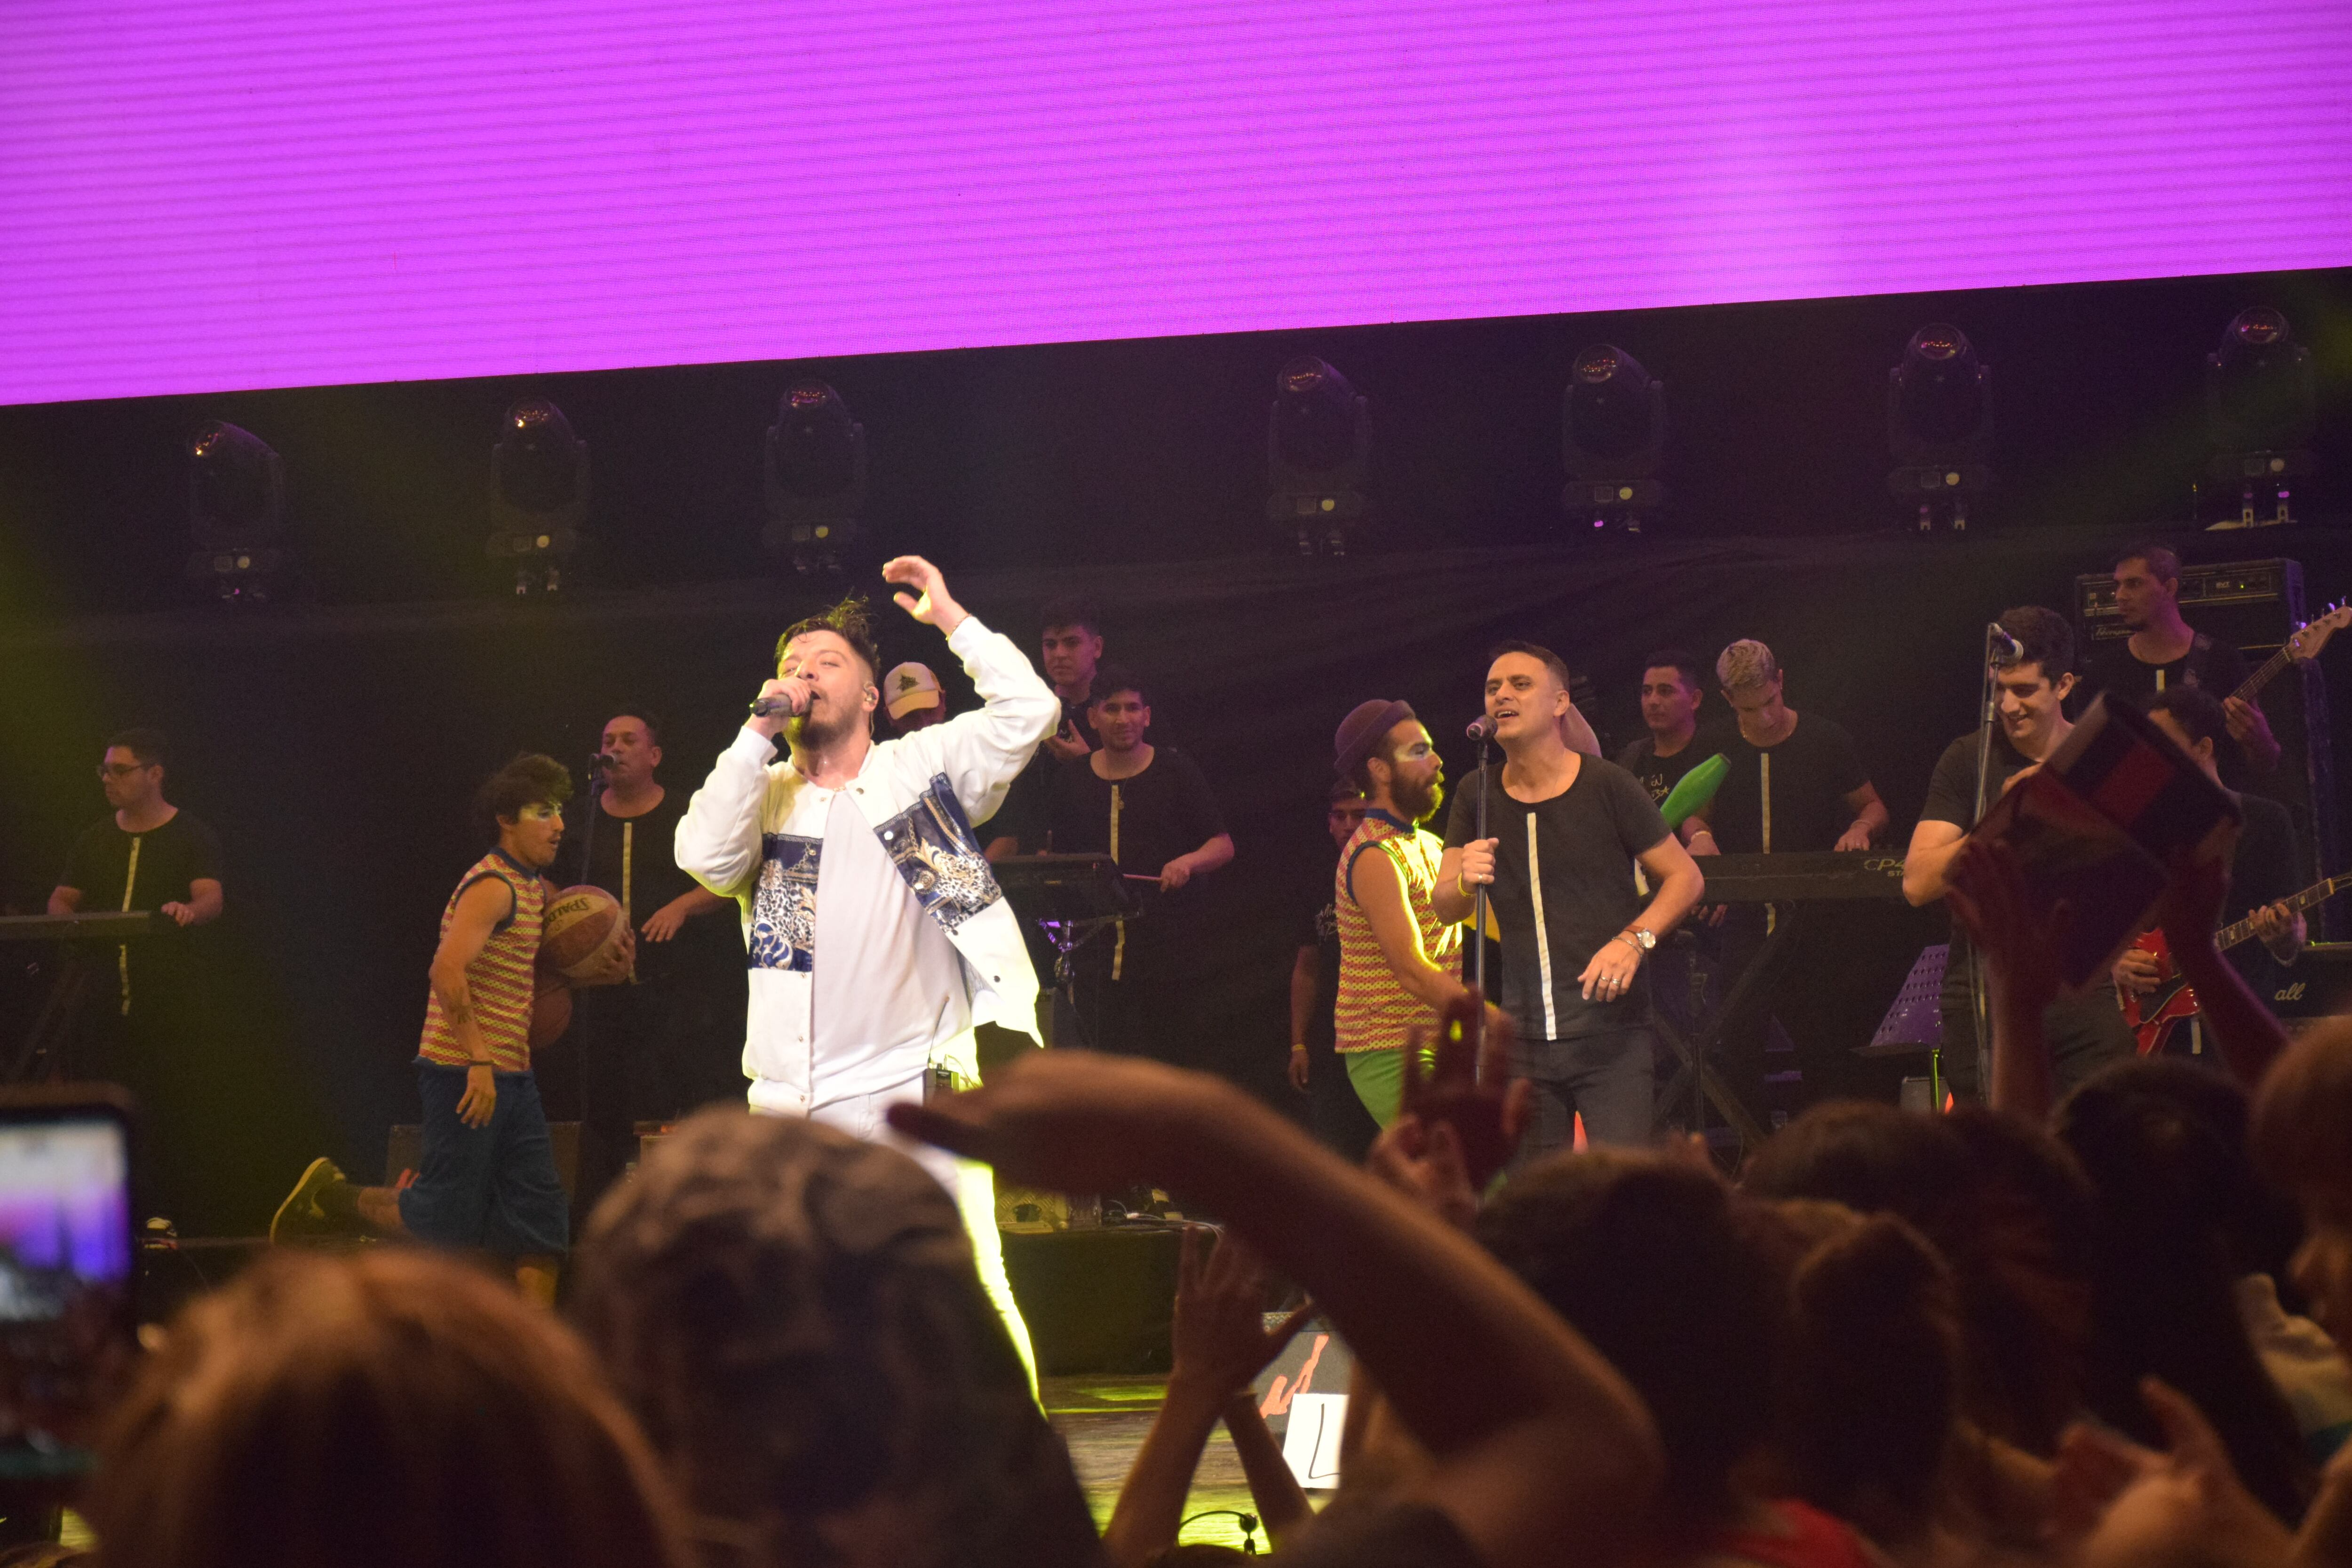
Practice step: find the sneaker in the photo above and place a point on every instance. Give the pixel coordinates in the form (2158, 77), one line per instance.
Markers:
(303, 1217)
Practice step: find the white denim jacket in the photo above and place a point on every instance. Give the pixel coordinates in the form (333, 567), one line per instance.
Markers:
(756, 828)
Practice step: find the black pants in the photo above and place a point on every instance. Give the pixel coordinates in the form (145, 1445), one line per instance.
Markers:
(1138, 999)
(1609, 1079)
(646, 1052)
(2085, 1034)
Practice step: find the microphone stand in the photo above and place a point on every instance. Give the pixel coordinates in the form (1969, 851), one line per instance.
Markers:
(1478, 901)
(596, 782)
(1989, 713)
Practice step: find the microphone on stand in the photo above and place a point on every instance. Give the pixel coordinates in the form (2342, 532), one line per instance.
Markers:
(601, 762)
(1481, 730)
(2004, 649)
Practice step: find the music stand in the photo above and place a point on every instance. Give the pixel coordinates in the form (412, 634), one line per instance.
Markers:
(1071, 899)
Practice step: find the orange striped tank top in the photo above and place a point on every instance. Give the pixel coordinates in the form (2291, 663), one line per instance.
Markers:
(499, 977)
(1375, 1011)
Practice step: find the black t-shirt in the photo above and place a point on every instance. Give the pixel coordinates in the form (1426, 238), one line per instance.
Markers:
(1658, 774)
(2215, 667)
(1576, 851)
(1952, 797)
(1321, 930)
(2211, 666)
(1811, 772)
(1163, 812)
(184, 851)
(1022, 814)
(652, 877)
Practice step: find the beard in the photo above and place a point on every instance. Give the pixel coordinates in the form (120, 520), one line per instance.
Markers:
(1417, 803)
(819, 728)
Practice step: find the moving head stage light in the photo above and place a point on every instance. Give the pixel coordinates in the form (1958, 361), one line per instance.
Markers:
(1613, 437)
(237, 512)
(815, 478)
(539, 496)
(1318, 453)
(1940, 426)
(2261, 406)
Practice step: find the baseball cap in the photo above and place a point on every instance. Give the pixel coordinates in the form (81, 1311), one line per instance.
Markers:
(908, 687)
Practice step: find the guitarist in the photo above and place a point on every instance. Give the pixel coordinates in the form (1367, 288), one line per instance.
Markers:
(2261, 877)
(2163, 653)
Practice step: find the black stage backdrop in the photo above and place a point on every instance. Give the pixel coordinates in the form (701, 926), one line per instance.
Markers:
(336, 750)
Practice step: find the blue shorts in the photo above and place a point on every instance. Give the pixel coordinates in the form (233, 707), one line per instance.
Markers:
(490, 1189)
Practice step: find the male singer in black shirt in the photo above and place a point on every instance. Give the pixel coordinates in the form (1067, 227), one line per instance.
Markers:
(1565, 831)
(647, 1048)
(2085, 1033)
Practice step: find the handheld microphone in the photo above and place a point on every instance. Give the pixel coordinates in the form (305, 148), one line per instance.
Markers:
(2005, 650)
(772, 707)
(1482, 729)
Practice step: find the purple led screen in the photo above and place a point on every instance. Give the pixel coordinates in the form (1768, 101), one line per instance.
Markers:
(270, 193)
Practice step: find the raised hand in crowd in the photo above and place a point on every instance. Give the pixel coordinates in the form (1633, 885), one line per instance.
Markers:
(1468, 1090)
(1220, 1343)
(1534, 1439)
(2115, 1504)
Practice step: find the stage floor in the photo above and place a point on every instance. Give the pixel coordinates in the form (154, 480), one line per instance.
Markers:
(1103, 1420)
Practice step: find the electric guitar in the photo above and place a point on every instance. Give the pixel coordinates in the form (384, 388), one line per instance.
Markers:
(2150, 1015)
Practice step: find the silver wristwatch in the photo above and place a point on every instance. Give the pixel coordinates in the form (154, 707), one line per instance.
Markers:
(1641, 937)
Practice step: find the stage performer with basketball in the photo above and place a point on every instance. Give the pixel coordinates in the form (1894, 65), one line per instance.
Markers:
(878, 935)
(485, 1179)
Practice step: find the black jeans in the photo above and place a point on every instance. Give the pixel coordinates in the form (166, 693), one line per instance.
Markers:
(1609, 1079)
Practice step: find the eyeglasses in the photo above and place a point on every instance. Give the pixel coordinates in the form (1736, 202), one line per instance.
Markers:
(121, 770)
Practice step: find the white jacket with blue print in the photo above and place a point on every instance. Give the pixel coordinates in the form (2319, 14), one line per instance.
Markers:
(756, 829)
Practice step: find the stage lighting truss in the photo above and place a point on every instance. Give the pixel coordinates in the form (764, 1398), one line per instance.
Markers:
(1612, 439)
(1319, 455)
(1939, 426)
(2261, 406)
(237, 514)
(815, 478)
(539, 496)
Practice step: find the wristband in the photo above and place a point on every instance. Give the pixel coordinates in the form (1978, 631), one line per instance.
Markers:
(1298, 1046)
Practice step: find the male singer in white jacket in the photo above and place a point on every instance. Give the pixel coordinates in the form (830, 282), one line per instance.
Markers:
(878, 935)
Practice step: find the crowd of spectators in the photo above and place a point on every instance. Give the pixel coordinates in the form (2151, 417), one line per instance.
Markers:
(2097, 1333)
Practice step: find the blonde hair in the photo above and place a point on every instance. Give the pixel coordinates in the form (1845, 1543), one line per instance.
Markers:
(1745, 666)
(377, 1411)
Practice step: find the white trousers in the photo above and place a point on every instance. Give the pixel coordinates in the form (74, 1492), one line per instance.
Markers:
(970, 1184)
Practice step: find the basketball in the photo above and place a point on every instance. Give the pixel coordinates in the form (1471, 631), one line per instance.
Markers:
(551, 1009)
(577, 927)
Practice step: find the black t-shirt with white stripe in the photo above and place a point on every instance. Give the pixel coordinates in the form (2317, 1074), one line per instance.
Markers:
(1563, 886)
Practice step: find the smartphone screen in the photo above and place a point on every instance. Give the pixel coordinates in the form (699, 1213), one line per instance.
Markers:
(65, 1280)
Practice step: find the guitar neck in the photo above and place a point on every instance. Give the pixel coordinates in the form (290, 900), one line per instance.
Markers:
(2263, 675)
(2229, 936)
